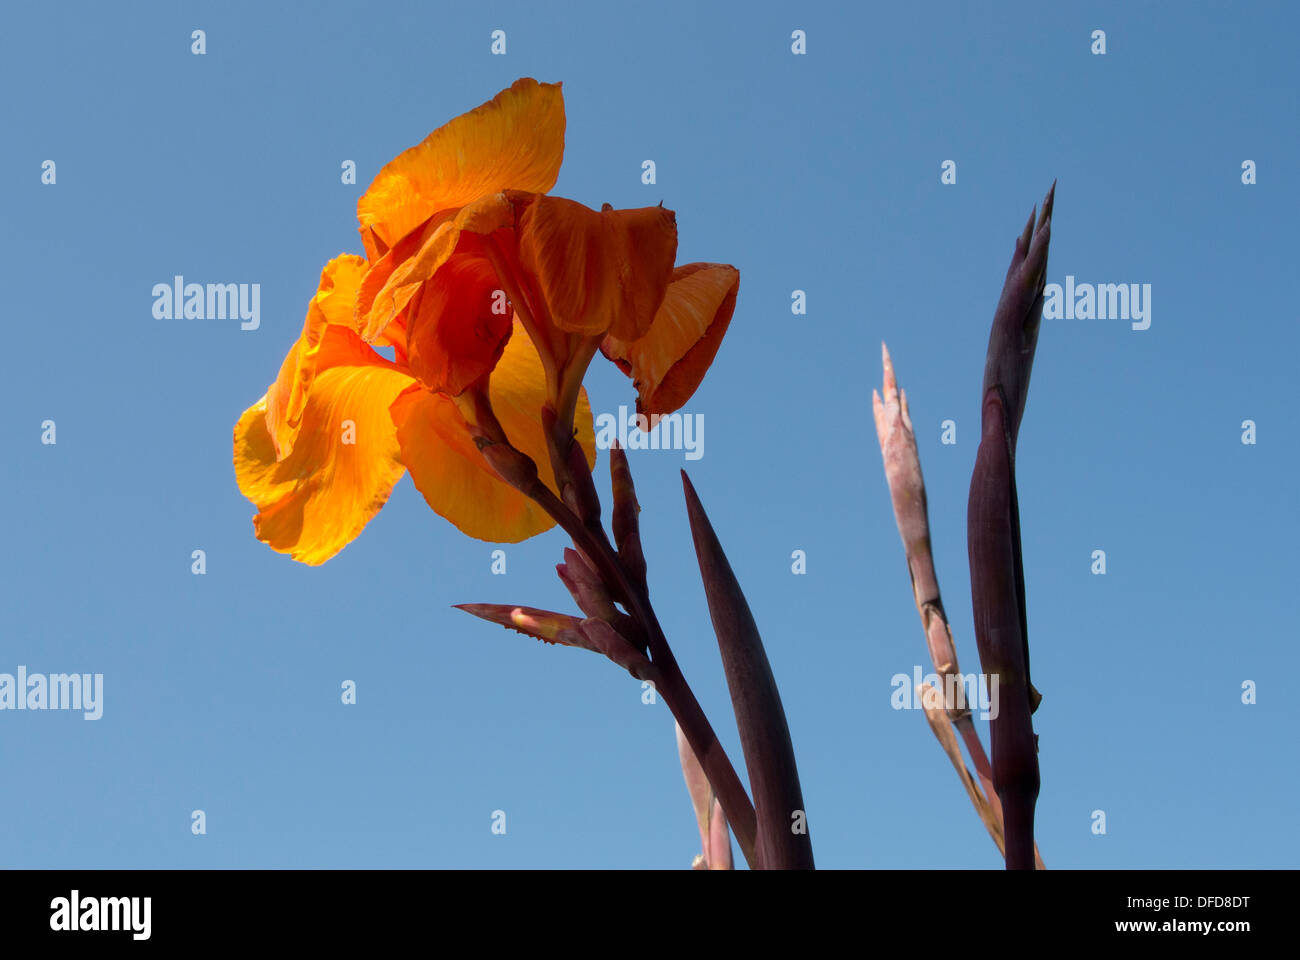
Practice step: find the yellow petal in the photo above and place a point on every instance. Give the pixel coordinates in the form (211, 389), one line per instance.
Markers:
(336, 296)
(333, 303)
(518, 391)
(515, 140)
(447, 467)
(598, 271)
(342, 468)
(668, 363)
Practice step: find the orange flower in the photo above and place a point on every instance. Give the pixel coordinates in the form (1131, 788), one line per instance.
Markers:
(320, 452)
(482, 285)
(577, 278)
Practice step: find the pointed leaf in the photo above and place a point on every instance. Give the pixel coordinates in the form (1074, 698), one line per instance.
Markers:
(764, 735)
(624, 517)
(530, 621)
(993, 538)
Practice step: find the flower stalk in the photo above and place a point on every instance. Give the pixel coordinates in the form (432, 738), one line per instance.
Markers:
(627, 587)
(993, 537)
(907, 493)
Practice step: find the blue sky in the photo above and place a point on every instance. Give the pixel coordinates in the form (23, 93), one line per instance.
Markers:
(818, 173)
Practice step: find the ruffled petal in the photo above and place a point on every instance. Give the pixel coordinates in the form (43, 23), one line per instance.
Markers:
(333, 303)
(598, 271)
(459, 322)
(668, 363)
(342, 467)
(395, 278)
(515, 140)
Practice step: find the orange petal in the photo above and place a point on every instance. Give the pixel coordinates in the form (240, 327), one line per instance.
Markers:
(447, 467)
(598, 272)
(315, 501)
(374, 247)
(515, 140)
(395, 279)
(668, 363)
(332, 304)
(336, 295)
(459, 322)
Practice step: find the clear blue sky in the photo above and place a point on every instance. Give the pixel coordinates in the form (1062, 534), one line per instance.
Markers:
(818, 172)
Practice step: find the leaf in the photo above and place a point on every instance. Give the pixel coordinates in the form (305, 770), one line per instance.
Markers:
(764, 735)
